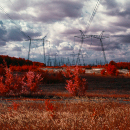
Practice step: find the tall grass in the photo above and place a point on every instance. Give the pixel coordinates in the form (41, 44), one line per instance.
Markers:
(66, 116)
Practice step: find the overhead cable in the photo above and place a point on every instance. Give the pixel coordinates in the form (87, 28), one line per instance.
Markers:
(13, 22)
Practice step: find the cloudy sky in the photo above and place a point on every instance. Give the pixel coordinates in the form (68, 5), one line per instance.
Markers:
(60, 21)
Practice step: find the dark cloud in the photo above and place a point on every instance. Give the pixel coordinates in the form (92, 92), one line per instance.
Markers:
(19, 5)
(113, 46)
(118, 12)
(70, 34)
(66, 48)
(2, 43)
(126, 39)
(72, 31)
(33, 34)
(58, 10)
(46, 11)
(16, 48)
(110, 4)
(122, 23)
(114, 8)
(56, 41)
(15, 34)
(2, 30)
(1, 23)
(123, 38)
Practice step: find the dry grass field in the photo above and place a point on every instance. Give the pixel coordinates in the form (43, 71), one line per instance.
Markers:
(83, 114)
(70, 115)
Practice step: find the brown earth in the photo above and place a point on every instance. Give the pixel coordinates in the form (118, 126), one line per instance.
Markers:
(98, 86)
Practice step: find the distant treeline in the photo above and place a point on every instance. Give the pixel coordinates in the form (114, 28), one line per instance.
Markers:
(118, 65)
(12, 61)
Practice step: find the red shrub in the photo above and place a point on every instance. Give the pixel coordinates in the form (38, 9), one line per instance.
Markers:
(31, 81)
(103, 72)
(112, 63)
(88, 67)
(49, 107)
(12, 84)
(23, 68)
(111, 69)
(51, 76)
(2, 71)
(117, 72)
(76, 86)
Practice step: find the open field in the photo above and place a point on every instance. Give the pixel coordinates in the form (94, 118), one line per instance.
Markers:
(106, 105)
(71, 115)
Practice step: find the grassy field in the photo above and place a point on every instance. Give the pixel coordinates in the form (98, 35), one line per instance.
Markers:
(79, 115)
(71, 115)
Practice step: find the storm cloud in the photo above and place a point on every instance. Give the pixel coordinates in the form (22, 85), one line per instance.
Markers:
(60, 21)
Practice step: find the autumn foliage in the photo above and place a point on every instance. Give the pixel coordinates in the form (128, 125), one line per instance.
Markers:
(2, 70)
(111, 69)
(103, 72)
(12, 61)
(12, 84)
(51, 77)
(75, 85)
(24, 68)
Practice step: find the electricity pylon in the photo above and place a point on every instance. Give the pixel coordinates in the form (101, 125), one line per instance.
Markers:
(43, 39)
(82, 37)
(102, 37)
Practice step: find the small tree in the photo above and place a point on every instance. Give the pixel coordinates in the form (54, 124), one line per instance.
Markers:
(76, 86)
(111, 69)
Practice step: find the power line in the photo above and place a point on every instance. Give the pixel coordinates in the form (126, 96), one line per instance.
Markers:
(13, 22)
(92, 16)
(20, 14)
(88, 25)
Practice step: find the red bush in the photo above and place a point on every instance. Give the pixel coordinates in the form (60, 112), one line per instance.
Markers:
(51, 76)
(23, 68)
(76, 86)
(111, 69)
(12, 84)
(103, 72)
(2, 70)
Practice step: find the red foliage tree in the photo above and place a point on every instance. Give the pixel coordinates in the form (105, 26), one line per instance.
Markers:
(111, 69)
